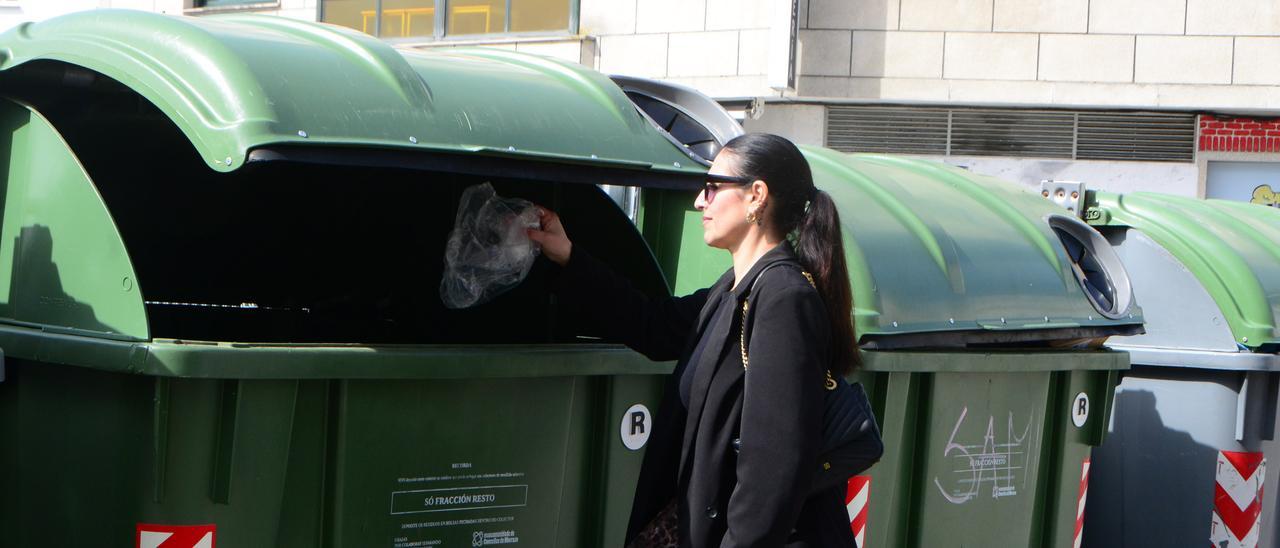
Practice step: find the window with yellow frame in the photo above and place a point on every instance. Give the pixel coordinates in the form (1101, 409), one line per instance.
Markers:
(434, 19)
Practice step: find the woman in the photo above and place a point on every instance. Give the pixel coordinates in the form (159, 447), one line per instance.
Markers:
(734, 447)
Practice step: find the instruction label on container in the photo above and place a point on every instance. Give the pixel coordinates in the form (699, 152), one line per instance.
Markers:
(461, 508)
(459, 498)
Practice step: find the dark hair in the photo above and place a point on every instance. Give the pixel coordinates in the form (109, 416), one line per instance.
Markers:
(809, 219)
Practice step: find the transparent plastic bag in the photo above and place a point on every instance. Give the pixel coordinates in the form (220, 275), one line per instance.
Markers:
(488, 252)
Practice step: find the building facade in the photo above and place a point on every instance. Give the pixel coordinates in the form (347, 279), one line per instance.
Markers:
(1175, 96)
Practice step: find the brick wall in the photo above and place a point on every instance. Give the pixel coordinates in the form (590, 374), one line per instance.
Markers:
(1227, 134)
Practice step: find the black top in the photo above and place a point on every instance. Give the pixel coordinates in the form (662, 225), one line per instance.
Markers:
(727, 307)
(740, 457)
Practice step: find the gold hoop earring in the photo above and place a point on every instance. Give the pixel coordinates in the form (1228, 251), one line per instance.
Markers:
(751, 217)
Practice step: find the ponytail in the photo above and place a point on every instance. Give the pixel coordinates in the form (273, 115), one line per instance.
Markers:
(819, 245)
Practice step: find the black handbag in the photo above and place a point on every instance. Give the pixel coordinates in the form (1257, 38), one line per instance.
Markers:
(850, 437)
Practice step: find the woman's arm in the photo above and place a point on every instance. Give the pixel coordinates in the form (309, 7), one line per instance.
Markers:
(782, 410)
(609, 305)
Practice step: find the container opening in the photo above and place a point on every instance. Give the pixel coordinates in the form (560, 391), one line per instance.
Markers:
(679, 125)
(689, 118)
(287, 251)
(1095, 265)
(1094, 276)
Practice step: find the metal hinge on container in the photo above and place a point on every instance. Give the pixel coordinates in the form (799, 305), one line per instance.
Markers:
(1068, 194)
(1074, 197)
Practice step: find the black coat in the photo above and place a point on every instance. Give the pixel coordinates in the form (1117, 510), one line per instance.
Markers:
(757, 495)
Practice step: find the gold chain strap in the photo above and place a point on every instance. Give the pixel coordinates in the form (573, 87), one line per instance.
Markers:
(830, 383)
(742, 333)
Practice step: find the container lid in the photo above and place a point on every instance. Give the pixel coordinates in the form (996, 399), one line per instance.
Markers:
(940, 255)
(236, 83)
(1231, 248)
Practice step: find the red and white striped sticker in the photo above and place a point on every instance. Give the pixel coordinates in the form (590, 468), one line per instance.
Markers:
(150, 535)
(1237, 499)
(1084, 494)
(856, 500)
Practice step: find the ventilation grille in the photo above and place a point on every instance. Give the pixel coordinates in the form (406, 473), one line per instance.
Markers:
(1007, 132)
(1117, 136)
(1011, 133)
(901, 130)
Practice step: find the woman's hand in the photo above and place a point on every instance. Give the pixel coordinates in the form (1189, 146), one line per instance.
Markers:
(555, 243)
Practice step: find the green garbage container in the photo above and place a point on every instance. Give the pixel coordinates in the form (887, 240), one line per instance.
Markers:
(1194, 419)
(979, 332)
(220, 253)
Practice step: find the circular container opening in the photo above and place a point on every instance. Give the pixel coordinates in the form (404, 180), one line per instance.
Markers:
(1096, 266)
(685, 115)
(683, 127)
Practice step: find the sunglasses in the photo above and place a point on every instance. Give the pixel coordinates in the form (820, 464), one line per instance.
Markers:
(714, 182)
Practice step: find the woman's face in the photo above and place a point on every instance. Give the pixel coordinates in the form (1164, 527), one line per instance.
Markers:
(724, 206)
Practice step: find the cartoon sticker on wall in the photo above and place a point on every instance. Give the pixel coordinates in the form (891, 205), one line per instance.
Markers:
(1264, 195)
